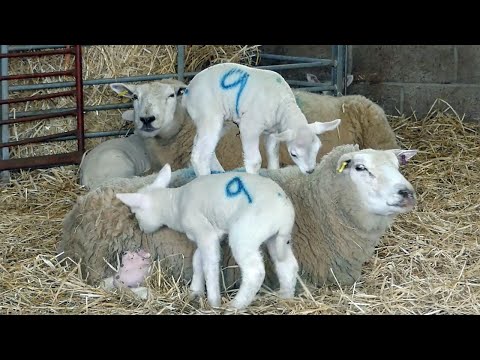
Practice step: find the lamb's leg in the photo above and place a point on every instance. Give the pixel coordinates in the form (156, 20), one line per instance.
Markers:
(209, 246)
(272, 147)
(204, 144)
(215, 164)
(251, 151)
(197, 287)
(245, 243)
(286, 265)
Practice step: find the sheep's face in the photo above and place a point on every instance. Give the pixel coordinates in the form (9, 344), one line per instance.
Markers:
(380, 185)
(154, 106)
(148, 203)
(303, 143)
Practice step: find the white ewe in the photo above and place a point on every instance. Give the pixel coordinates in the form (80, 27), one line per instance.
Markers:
(341, 212)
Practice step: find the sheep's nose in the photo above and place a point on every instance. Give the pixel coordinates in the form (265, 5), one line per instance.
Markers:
(147, 120)
(405, 193)
(310, 171)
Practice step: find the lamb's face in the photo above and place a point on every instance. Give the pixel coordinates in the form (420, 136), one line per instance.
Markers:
(150, 204)
(380, 185)
(154, 105)
(303, 149)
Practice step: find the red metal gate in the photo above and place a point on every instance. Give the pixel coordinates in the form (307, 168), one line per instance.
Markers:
(76, 91)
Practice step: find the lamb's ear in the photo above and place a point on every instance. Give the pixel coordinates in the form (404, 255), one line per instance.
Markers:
(312, 78)
(180, 90)
(287, 135)
(344, 162)
(134, 200)
(404, 155)
(128, 115)
(163, 178)
(123, 90)
(321, 127)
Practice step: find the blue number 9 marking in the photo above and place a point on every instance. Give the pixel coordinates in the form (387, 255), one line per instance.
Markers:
(239, 189)
(240, 83)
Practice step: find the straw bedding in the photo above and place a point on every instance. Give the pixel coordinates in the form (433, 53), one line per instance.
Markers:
(427, 263)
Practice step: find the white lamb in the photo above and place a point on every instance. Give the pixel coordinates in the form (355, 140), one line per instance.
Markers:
(250, 209)
(259, 102)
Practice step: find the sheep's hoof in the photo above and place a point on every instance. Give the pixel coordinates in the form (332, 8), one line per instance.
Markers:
(286, 294)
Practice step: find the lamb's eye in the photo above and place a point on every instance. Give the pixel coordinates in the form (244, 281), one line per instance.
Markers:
(360, 168)
(135, 97)
(171, 95)
(293, 155)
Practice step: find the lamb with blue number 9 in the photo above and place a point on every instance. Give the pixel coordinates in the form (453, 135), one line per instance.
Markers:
(249, 208)
(260, 102)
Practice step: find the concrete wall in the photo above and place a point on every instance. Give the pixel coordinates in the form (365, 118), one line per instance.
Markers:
(407, 78)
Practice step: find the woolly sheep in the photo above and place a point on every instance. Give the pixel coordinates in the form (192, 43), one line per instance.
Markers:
(260, 102)
(340, 218)
(363, 123)
(157, 120)
(249, 209)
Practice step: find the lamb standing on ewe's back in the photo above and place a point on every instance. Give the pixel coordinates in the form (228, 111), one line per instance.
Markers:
(157, 118)
(341, 212)
(363, 123)
(249, 209)
(260, 102)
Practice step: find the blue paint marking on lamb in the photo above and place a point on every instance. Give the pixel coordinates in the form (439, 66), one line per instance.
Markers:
(240, 82)
(237, 183)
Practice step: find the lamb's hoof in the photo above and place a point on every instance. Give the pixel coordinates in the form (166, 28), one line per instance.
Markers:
(286, 294)
(194, 295)
(107, 284)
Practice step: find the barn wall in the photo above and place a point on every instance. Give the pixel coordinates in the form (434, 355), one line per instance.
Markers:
(407, 78)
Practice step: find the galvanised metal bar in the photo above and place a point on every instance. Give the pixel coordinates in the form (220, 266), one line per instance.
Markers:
(339, 81)
(85, 109)
(38, 139)
(97, 134)
(34, 47)
(292, 58)
(38, 162)
(37, 75)
(39, 97)
(156, 77)
(334, 68)
(79, 97)
(38, 117)
(38, 53)
(4, 130)
(180, 61)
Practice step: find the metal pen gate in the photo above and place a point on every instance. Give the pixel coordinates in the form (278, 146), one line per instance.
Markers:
(337, 85)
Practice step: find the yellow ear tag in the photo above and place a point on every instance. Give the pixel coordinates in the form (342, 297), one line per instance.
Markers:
(123, 93)
(342, 167)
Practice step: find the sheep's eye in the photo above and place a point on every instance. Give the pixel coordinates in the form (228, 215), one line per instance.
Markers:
(135, 97)
(360, 168)
(293, 155)
(171, 95)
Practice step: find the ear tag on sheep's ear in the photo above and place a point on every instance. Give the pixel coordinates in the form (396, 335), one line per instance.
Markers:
(123, 93)
(403, 159)
(342, 167)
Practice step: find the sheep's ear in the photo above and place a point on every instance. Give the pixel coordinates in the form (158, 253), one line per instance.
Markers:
(134, 200)
(163, 177)
(123, 90)
(321, 127)
(128, 115)
(312, 78)
(349, 80)
(344, 162)
(287, 135)
(404, 155)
